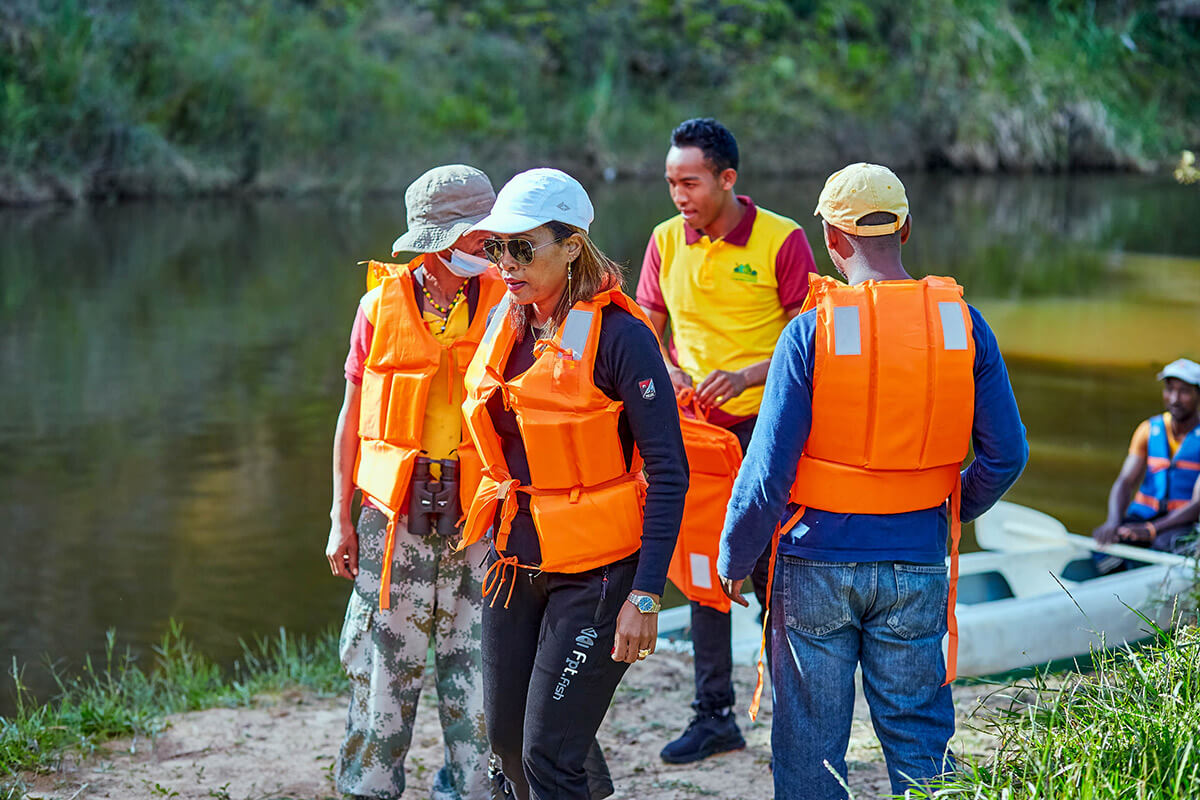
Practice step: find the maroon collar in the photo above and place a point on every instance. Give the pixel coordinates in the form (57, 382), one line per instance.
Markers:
(737, 237)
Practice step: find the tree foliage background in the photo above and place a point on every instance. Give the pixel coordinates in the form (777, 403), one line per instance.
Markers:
(120, 97)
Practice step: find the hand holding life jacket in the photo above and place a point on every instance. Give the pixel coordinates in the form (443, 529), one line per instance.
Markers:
(714, 455)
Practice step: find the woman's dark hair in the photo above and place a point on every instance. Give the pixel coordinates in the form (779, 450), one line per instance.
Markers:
(591, 273)
(714, 140)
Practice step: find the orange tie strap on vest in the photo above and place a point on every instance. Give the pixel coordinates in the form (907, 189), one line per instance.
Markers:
(780, 532)
(494, 578)
(385, 574)
(952, 597)
(542, 345)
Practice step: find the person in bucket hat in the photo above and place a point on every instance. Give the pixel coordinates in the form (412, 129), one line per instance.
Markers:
(399, 441)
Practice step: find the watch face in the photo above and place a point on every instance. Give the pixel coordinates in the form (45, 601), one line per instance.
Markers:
(644, 604)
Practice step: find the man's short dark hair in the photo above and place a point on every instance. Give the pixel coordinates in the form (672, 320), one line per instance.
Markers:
(714, 140)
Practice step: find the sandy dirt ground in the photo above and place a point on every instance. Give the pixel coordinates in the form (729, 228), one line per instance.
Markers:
(285, 746)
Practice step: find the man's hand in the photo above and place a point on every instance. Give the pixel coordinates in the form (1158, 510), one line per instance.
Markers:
(342, 549)
(635, 631)
(1106, 533)
(720, 387)
(680, 380)
(1136, 534)
(733, 590)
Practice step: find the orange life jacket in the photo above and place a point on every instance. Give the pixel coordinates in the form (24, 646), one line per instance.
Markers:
(397, 378)
(893, 405)
(586, 505)
(714, 455)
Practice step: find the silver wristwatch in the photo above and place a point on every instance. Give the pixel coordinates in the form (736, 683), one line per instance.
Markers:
(644, 603)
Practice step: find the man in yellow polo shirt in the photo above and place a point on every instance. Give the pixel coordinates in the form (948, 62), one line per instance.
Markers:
(727, 275)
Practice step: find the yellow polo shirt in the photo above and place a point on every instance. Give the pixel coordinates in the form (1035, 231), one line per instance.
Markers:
(727, 299)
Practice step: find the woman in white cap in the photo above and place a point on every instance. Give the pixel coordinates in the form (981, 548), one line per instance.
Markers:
(568, 400)
(399, 440)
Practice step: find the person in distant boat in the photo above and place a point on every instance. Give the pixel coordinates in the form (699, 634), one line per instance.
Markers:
(874, 394)
(400, 441)
(1155, 500)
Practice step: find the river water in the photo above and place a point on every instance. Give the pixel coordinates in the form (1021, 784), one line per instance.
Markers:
(171, 373)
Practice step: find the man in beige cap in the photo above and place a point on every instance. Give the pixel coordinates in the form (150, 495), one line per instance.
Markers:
(399, 440)
(875, 392)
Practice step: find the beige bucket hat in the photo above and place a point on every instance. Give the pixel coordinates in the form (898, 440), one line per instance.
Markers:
(442, 205)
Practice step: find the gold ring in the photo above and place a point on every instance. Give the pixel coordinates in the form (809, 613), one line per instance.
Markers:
(643, 653)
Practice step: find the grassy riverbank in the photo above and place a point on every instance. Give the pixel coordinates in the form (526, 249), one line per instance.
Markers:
(120, 697)
(118, 98)
(1126, 731)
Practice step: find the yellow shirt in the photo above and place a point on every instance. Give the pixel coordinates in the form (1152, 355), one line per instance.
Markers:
(442, 430)
(724, 297)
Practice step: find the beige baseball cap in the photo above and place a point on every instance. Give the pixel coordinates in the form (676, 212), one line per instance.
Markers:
(860, 189)
(442, 205)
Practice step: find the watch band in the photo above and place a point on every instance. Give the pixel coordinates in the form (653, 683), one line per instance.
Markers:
(644, 603)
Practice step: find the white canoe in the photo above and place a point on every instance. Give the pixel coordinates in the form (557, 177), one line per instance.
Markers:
(1030, 597)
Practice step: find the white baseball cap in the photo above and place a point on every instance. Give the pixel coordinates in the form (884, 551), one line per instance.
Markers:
(535, 197)
(1182, 368)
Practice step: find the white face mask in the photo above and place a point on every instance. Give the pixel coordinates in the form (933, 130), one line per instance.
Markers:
(465, 265)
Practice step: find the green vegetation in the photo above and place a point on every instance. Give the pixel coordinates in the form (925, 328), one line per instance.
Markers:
(1127, 731)
(119, 698)
(111, 98)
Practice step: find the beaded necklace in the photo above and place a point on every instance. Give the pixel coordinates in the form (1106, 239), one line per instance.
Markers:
(445, 310)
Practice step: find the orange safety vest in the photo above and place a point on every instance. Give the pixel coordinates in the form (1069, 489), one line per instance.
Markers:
(892, 408)
(586, 505)
(397, 378)
(714, 455)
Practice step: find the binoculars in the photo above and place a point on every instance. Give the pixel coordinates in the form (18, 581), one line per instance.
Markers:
(433, 505)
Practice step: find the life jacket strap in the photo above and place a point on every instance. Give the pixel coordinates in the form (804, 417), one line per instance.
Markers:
(780, 531)
(687, 401)
(389, 547)
(493, 579)
(952, 597)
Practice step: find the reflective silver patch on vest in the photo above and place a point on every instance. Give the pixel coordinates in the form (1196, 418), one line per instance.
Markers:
(575, 332)
(498, 315)
(954, 328)
(847, 339)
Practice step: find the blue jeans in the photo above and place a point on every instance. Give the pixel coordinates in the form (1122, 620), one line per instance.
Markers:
(826, 619)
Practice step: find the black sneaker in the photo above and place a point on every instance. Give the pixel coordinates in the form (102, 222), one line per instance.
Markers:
(706, 735)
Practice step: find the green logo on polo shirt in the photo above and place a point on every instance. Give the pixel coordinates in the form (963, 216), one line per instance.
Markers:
(745, 272)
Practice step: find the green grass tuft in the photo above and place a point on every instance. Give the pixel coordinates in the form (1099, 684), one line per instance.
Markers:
(1128, 731)
(120, 698)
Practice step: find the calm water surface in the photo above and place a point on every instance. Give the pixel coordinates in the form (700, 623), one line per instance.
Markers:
(171, 374)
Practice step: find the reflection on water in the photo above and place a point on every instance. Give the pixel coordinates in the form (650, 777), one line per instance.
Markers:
(172, 373)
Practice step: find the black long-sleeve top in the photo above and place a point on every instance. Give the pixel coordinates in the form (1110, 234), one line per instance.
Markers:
(626, 358)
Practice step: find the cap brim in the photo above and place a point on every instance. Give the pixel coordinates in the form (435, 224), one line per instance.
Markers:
(1181, 375)
(508, 222)
(430, 239)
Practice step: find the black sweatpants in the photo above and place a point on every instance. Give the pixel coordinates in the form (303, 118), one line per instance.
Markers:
(549, 676)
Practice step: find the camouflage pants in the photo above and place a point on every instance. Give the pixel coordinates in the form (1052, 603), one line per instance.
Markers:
(436, 600)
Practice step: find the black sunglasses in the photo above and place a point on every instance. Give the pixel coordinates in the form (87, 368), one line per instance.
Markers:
(520, 249)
